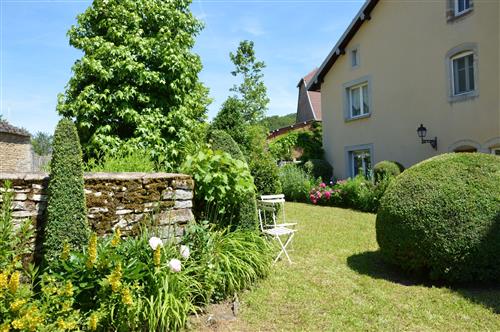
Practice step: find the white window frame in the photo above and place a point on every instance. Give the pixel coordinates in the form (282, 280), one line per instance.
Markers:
(457, 12)
(361, 100)
(353, 163)
(349, 152)
(452, 70)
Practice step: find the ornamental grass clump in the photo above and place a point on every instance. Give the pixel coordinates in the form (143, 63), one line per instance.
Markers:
(66, 209)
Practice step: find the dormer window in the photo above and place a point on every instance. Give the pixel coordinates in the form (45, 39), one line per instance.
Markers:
(462, 6)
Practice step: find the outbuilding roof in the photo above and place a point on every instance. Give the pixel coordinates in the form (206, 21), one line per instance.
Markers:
(6, 127)
(339, 48)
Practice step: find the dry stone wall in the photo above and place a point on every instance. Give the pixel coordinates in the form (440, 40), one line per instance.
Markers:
(114, 200)
(15, 153)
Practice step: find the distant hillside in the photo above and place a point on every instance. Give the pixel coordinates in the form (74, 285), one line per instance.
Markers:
(279, 121)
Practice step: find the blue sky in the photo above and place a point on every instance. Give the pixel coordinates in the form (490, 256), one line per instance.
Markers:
(291, 37)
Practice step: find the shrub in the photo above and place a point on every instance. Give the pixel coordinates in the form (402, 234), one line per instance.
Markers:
(319, 168)
(222, 183)
(123, 161)
(221, 140)
(265, 173)
(442, 217)
(386, 169)
(66, 209)
(296, 183)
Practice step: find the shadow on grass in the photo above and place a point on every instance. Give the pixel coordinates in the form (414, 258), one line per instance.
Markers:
(370, 263)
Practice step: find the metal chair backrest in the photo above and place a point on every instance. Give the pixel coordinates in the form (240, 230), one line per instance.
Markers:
(273, 200)
(265, 210)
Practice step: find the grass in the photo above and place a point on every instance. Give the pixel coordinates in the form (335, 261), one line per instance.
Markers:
(339, 282)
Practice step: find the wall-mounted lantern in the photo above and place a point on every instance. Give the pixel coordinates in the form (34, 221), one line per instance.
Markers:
(422, 132)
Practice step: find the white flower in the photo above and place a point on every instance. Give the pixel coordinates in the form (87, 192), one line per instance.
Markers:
(154, 242)
(175, 265)
(185, 252)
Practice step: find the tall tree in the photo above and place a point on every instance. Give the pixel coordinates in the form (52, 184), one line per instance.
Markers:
(251, 94)
(136, 85)
(42, 143)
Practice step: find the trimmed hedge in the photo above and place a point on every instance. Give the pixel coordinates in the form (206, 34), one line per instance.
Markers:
(265, 173)
(386, 168)
(66, 208)
(221, 140)
(441, 217)
(319, 168)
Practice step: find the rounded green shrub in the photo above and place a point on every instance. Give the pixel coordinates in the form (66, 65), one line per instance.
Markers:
(385, 169)
(221, 140)
(319, 168)
(265, 173)
(66, 209)
(441, 217)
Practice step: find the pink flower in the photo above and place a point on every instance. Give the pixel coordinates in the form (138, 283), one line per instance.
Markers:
(318, 194)
(175, 265)
(322, 185)
(312, 197)
(155, 242)
(314, 201)
(327, 194)
(185, 252)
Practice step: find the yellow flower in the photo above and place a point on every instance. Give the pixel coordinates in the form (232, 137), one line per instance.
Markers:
(68, 289)
(4, 278)
(65, 251)
(126, 297)
(14, 282)
(63, 325)
(5, 327)
(17, 304)
(157, 256)
(114, 278)
(116, 238)
(93, 321)
(92, 251)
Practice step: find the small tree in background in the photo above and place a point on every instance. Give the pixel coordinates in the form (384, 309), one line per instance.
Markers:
(66, 209)
(42, 143)
(136, 85)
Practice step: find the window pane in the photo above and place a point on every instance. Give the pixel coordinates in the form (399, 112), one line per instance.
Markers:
(355, 106)
(354, 58)
(459, 75)
(361, 162)
(461, 5)
(470, 67)
(366, 108)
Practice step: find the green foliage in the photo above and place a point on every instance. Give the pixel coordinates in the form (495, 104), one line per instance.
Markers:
(307, 142)
(296, 183)
(42, 143)
(246, 212)
(237, 259)
(442, 217)
(386, 168)
(137, 82)
(319, 168)
(66, 209)
(278, 121)
(266, 175)
(230, 119)
(222, 141)
(14, 242)
(251, 93)
(222, 182)
(122, 161)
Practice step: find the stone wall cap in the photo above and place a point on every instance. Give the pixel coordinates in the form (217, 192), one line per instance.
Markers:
(24, 176)
(98, 176)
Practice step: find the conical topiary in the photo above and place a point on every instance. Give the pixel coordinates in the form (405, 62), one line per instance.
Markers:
(66, 209)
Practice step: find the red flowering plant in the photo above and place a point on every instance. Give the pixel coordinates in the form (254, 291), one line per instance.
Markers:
(324, 194)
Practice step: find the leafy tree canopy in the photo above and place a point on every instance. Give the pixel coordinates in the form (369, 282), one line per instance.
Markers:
(279, 121)
(136, 85)
(42, 143)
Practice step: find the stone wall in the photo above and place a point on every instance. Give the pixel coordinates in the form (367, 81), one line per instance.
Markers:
(114, 200)
(15, 153)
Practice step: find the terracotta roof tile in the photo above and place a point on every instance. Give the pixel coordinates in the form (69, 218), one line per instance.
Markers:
(315, 98)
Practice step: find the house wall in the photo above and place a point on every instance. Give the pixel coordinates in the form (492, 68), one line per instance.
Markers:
(15, 153)
(403, 51)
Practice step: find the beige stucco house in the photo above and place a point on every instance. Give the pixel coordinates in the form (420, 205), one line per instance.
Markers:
(15, 149)
(401, 64)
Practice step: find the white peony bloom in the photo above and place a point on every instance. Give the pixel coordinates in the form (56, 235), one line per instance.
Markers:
(154, 242)
(175, 265)
(185, 252)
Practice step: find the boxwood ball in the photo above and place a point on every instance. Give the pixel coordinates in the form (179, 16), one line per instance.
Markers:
(441, 217)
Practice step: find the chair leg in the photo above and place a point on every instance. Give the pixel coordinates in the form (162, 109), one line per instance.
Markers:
(283, 248)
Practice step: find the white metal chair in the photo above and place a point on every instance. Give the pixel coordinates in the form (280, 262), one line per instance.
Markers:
(268, 207)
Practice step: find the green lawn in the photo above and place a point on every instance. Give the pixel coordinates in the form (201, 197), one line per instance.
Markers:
(338, 282)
